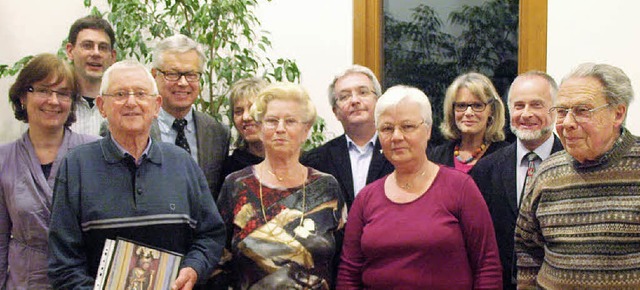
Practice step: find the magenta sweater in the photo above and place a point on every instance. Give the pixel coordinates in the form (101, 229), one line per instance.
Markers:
(442, 240)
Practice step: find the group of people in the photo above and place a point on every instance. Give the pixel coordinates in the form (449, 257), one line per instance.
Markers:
(375, 208)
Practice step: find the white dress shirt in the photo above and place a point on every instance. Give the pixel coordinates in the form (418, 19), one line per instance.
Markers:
(360, 158)
(88, 119)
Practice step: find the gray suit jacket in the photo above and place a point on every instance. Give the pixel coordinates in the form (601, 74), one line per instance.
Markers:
(213, 147)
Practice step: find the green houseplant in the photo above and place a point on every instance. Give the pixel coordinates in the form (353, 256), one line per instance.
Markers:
(226, 29)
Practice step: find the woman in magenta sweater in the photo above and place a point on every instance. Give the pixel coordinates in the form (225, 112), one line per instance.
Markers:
(423, 226)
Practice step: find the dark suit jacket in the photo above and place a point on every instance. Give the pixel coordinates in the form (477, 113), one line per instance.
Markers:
(443, 153)
(213, 147)
(333, 158)
(496, 178)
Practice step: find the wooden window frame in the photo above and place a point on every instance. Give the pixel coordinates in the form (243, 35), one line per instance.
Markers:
(368, 27)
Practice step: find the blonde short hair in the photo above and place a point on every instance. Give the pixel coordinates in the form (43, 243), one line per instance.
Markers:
(481, 87)
(285, 92)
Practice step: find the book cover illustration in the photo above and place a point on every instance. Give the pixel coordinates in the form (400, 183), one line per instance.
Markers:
(132, 266)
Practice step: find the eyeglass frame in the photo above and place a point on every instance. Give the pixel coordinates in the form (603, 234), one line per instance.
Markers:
(401, 127)
(471, 104)
(288, 123)
(46, 93)
(88, 46)
(139, 95)
(342, 99)
(590, 112)
(166, 75)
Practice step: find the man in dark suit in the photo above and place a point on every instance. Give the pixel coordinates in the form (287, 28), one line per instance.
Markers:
(501, 176)
(178, 62)
(353, 158)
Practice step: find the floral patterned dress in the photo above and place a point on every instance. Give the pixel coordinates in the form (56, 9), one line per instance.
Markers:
(298, 244)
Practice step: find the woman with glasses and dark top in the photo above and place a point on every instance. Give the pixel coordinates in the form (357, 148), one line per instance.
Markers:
(248, 146)
(473, 122)
(424, 226)
(284, 220)
(44, 96)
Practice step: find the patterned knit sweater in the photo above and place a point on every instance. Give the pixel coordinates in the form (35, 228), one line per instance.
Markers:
(579, 225)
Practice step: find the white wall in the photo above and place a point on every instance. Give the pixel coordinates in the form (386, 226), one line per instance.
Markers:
(317, 34)
(596, 31)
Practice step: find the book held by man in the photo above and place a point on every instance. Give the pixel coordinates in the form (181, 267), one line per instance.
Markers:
(129, 265)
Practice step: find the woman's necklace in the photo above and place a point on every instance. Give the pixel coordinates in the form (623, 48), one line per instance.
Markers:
(306, 226)
(274, 175)
(456, 153)
(407, 185)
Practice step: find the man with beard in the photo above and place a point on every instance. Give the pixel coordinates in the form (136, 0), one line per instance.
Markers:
(354, 158)
(90, 49)
(502, 175)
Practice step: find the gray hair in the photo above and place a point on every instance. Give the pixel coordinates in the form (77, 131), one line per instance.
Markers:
(617, 86)
(553, 86)
(177, 43)
(398, 93)
(126, 64)
(354, 69)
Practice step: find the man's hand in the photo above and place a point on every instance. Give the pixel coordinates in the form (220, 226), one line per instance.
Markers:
(187, 278)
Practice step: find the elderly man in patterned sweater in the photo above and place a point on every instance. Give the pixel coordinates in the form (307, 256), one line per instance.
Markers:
(579, 224)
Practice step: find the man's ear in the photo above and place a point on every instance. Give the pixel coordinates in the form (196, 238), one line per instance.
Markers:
(620, 113)
(100, 105)
(158, 105)
(68, 49)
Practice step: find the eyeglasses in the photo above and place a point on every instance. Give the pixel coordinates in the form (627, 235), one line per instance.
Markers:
(45, 93)
(475, 106)
(346, 95)
(387, 129)
(90, 45)
(122, 96)
(190, 76)
(581, 113)
(272, 123)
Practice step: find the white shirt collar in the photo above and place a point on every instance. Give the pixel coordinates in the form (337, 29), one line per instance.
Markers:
(543, 151)
(166, 121)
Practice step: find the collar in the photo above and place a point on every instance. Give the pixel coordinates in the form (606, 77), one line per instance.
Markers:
(166, 120)
(371, 143)
(543, 151)
(113, 152)
(620, 147)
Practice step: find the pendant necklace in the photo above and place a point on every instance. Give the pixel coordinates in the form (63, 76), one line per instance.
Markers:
(407, 185)
(305, 227)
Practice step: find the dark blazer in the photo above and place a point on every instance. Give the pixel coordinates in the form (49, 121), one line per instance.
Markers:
(496, 178)
(333, 158)
(443, 153)
(213, 147)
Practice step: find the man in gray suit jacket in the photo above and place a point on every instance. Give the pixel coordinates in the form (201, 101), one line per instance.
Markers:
(178, 63)
(501, 176)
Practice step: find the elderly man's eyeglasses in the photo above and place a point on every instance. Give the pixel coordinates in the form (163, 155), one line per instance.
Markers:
(121, 96)
(345, 96)
(45, 93)
(90, 45)
(272, 123)
(387, 129)
(581, 113)
(190, 76)
(475, 106)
